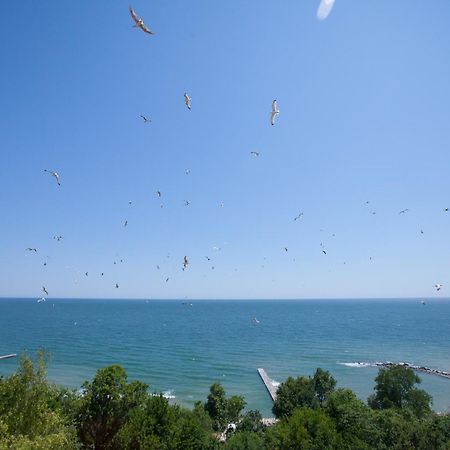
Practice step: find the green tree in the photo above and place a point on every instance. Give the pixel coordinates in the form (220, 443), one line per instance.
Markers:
(251, 422)
(216, 406)
(30, 416)
(106, 406)
(161, 426)
(324, 384)
(395, 388)
(222, 410)
(305, 429)
(245, 440)
(294, 393)
(353, 420)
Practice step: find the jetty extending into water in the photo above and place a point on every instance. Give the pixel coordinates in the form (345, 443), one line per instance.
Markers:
(12, 355)
(268, 383)
(387, 364)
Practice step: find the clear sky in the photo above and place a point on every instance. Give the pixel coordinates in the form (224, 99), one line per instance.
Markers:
(364, 100)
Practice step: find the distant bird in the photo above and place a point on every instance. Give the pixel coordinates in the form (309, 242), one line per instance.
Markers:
(254, 153)
(55, 175)
(145, 119)
(187, 101)
(446, 209)
(367, 202)
(438, 287)
(86, 273)
(157, 267)
(274, 112)
(139, 23)
(31, 249)
(373, 213)
(421, 231)
(324, 9)
(423, 302)
(208, 258)
(117, 285)
(158, 193)
(44, 289)
(187, 171)
(324, 252)
(221, 204)
(167, 279)
(130, 202)
(101, 274)
(299, 216)
(404, 211)
(255, 320)
(187, 203)
(185, 263)
(125, 223)
(285, 249)
(58, 238)
(42, 299)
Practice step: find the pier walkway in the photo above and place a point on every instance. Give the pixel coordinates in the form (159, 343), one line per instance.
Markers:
(268, 383)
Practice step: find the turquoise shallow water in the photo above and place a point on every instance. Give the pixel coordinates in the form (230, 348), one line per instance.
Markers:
(182, 350)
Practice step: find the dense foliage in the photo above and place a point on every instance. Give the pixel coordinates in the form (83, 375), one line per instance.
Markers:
(113, 413)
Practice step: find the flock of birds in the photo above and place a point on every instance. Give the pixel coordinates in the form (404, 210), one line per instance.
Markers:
(323, 11)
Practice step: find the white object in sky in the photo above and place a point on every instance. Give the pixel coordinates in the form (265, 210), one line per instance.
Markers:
(324, 9)
(438, 287)
(187, 100)
(139, 23)
(274, 112)
(55, 175)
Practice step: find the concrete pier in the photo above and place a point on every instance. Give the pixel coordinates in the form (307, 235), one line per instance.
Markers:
(268, 383)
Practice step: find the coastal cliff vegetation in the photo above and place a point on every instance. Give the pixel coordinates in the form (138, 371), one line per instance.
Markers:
(113, 413)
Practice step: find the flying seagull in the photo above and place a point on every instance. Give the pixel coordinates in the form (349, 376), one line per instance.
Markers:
(446, 209)
(254, 153)
(125, 223)
(54, 174)
(404, 211)
(187, 100)
(42, 299)
(274, 112)
(44, 290)
(285, 249)
(139, 23)
(187, 203)
(187, 171)
(324, 9)
(145, 119)
(117, 285)
(438, 287)
(185, 263)
(58, 238)
(31, 249)
(158, 193)
(299, 216)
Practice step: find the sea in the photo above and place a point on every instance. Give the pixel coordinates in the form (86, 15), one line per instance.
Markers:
(181, 347)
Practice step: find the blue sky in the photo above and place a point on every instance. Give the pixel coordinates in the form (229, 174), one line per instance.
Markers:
(365, 111)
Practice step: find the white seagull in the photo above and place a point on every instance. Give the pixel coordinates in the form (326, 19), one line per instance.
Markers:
(438, 287)
(187, 101)
(324, 9)
(139, 23)
(185, 263)
(274, 112)
(145, 119)
(254, 153)
(44, 290)
(54, 174)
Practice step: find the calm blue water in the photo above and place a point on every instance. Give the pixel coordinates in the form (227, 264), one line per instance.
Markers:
(184, 349)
